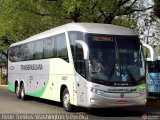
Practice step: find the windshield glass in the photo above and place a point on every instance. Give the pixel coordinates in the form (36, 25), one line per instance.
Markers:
(115, 58)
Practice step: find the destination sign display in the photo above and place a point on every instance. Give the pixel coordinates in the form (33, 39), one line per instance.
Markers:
(102, 38)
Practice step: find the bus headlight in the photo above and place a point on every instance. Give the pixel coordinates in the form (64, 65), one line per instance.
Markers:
(96, 91)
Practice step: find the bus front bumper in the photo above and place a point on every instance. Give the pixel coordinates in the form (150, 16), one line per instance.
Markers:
(98, 101)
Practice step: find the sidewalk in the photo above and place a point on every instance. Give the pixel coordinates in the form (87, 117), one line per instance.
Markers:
(3, 85)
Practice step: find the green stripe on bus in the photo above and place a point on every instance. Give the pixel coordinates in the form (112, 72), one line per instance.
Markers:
(38, 93)
(11, 87)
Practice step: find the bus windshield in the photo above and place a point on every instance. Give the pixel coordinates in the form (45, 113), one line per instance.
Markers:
(115, 59)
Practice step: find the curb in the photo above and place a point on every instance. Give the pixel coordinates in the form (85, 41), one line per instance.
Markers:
(4, 85)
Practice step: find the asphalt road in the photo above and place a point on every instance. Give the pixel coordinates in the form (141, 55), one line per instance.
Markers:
(12, 108)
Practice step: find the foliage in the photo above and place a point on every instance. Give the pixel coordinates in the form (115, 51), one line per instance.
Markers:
(20, 19)
(99, 11)
(157, 8)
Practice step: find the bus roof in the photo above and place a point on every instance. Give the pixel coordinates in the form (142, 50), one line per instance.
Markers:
(97, 28)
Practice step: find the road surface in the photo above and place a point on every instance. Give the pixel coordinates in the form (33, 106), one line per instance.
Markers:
(12, 108)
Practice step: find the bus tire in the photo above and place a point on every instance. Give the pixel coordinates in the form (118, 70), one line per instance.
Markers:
(18, 92)
(23, 96)
(66, 101)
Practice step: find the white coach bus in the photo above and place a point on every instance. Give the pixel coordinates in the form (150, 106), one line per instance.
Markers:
(80, 64)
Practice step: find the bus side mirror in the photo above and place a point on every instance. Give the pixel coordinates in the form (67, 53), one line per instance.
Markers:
(151, 50)
(85, 48)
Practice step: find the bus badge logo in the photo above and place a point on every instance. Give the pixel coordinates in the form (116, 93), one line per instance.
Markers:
(11, 68)
(122, 95)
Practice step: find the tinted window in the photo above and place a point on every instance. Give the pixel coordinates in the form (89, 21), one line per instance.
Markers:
(73, 36)
(52, 47)
(29, 51)
(61, 47)
(12, 54)
(80, 62)
(38, 49)
(21, 53)
(115, 59)
(49, 50)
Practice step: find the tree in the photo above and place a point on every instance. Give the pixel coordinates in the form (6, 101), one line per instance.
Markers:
(157, 8)
(21, 19)
(157, 32)
(101, 11)
(146, 22)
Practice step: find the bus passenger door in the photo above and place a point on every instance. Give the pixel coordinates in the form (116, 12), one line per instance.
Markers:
(80, 76)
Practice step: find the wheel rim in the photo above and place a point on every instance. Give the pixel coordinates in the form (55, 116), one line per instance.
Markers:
(17, 91)
(22, 92)
(66, 100)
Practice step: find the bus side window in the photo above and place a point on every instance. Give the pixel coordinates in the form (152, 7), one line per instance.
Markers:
(61, 47)
(73, 36)
(21, 53)
(29, 51)
(80, 62)
(16, 57)
(12, 54)
(38, 50)
(49, 50)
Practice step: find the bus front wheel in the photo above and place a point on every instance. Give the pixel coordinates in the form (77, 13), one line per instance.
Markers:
(66, 101)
